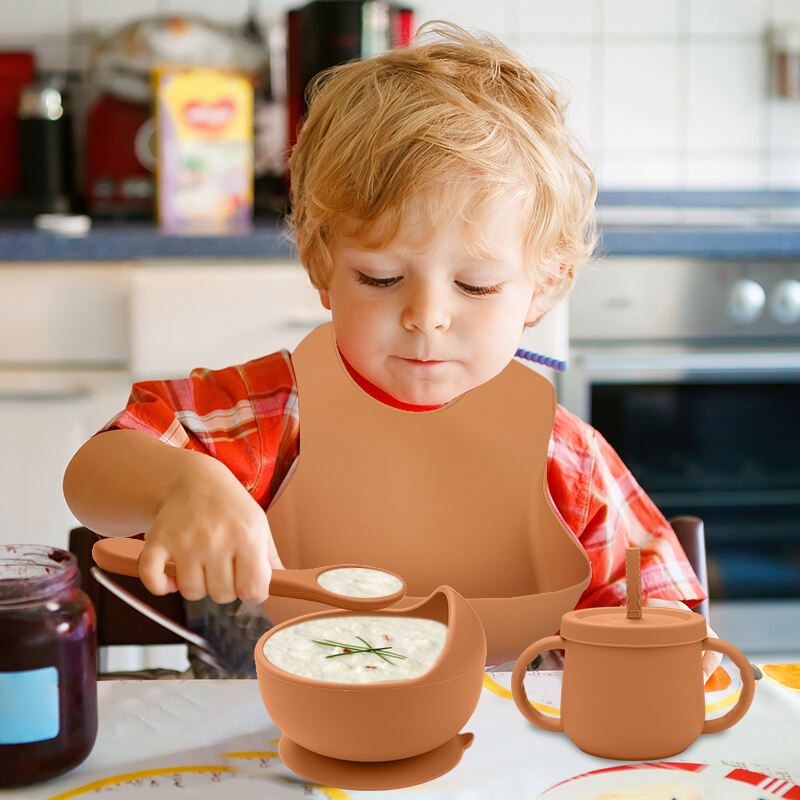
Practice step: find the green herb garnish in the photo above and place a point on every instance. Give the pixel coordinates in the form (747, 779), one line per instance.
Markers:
(349, 649)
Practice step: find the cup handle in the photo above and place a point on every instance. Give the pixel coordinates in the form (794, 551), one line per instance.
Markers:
(518, 689)
(748, 685)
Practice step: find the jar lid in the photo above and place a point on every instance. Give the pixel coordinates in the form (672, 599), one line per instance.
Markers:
(612, 627)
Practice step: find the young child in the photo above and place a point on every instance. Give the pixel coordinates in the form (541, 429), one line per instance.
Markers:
(439, 207)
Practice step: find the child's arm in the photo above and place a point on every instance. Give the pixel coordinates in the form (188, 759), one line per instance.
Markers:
(192, 508)
(711, 658)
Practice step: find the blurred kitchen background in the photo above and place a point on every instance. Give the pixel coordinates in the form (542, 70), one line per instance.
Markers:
(682, 335)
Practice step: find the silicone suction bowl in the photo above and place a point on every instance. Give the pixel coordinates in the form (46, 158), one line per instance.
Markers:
(388, 720)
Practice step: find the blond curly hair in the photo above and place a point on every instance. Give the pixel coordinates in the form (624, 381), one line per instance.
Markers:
(443, 129)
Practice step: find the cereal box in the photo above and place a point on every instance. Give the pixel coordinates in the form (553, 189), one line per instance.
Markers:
(204, 149)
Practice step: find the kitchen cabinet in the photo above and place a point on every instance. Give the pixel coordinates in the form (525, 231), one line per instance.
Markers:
(60, 314)
(182, 317)
(63, 368)
(45, 415)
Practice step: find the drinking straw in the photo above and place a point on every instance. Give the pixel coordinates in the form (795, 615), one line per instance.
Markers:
(633, 582)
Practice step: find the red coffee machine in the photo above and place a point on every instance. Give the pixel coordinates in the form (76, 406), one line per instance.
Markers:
(16, 71)
(120, 159)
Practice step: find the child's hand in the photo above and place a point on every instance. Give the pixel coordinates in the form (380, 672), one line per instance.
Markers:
(218, 537)
(711, 658)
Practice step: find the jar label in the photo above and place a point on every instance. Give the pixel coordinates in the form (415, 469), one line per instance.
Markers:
(29, 706)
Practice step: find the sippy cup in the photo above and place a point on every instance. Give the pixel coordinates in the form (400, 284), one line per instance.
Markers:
(633, 682)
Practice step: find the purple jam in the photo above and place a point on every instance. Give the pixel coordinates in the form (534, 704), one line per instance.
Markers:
(48, 669)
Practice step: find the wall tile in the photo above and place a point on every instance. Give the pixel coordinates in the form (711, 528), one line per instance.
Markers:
(273, 11)
(726, 95)
(784, 170)
(641, 102)
(53, 54)
(568, 66)
(475, 15)
(105, 15)
(34, 17)
(229, 12)
(633, 16)
(745, 17)
(784, 123)
(785, 12)
(638, 171)
(571, 17)
(710, 171)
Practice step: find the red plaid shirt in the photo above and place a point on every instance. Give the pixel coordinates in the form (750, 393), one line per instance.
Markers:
(247, 417)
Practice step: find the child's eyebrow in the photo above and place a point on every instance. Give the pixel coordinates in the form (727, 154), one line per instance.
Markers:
(483, 259)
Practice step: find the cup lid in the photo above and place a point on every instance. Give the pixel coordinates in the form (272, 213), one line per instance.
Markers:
(612, 627)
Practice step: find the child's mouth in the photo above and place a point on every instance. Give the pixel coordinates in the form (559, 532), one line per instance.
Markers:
(422, 363)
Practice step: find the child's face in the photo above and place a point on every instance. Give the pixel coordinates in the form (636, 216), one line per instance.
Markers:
(424, 334)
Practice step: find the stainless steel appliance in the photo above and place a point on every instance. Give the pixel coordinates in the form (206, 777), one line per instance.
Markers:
(691, 370)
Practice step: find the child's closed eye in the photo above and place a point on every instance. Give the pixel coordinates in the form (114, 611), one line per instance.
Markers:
(369, 281)
(384, 282)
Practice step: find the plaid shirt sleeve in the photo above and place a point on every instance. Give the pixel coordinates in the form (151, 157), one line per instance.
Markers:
(244, 416)
(607, 510)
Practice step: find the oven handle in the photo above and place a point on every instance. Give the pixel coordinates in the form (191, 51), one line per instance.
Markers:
(689, 362)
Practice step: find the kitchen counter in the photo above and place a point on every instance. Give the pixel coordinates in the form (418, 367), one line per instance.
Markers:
(140, 240)
(159, 736)
(757, 224)
(135, 241)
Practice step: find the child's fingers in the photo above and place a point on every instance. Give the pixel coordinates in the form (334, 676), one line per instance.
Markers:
(274, 558)
(191, 579)
(219, 581)
(251, 577)
(152, 561)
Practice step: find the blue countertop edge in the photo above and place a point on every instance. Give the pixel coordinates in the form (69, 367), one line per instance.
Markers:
(700, 242)
(268, 240)
(141, 240)
(269, 243)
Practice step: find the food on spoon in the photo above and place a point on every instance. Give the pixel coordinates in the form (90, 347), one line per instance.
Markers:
(357, 648)
(359, 582)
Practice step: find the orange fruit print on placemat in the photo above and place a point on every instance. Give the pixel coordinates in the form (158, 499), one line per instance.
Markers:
(787, 675)
(718, 681)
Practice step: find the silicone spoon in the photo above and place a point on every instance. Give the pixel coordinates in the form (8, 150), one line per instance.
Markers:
(121, 555)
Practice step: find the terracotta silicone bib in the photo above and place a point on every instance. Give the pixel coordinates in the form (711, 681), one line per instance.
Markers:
(633, 681)
(454, 496)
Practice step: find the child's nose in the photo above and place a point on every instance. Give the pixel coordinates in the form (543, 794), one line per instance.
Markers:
(426, 309)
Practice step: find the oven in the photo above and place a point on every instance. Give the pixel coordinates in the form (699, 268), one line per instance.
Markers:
(691, 370)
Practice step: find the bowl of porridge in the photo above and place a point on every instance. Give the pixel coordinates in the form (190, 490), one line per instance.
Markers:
(374, 685)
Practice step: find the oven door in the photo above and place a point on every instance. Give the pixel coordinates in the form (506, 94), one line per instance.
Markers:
(714, 434)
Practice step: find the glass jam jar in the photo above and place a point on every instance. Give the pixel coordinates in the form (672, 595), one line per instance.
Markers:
(48, 667)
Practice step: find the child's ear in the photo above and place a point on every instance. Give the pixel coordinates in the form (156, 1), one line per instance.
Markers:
(325, 298)
(534, 313)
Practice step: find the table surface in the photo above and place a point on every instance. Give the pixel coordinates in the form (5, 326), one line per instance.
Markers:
(215, 737)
